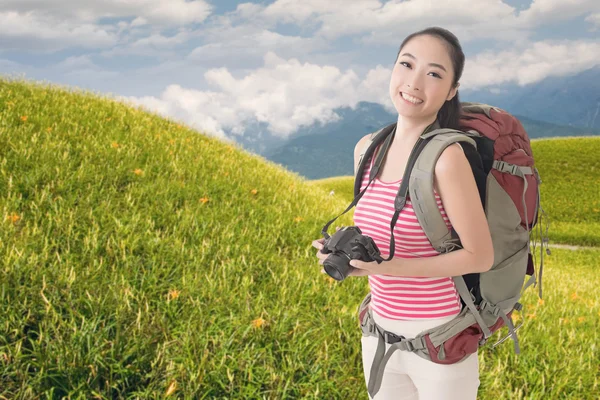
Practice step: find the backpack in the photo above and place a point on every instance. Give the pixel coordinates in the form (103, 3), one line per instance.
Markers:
(499, 152)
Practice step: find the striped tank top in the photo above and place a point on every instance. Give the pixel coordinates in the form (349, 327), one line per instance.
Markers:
(398, 297)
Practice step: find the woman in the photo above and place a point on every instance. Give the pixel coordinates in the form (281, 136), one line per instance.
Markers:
(414, 291)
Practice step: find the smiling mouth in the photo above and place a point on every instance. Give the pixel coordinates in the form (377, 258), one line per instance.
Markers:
(410, 99)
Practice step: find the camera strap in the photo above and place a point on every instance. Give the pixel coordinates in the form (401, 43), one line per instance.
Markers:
(372, 175)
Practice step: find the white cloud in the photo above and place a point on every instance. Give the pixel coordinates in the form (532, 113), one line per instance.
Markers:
(389, 22)
(379, 22)
(248, 42)
(528, 65)
(284, 94)
(47, 26)
(155, 44)
(156, 12)
(33, 31)
(543, 11)
(594, 19)
(374, 88)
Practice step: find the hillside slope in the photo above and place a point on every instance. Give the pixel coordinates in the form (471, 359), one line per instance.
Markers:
(136, 253)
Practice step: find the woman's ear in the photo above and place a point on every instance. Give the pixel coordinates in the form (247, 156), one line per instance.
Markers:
(452, 92)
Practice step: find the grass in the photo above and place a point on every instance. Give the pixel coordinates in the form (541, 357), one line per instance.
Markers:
(142, 259)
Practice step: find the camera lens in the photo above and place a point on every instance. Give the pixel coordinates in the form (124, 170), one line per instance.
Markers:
(337, 267)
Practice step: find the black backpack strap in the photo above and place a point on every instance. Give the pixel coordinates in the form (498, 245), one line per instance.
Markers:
(380, 136)
(400, 200)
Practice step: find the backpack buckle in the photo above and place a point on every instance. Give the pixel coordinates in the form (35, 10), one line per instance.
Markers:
(391, 338)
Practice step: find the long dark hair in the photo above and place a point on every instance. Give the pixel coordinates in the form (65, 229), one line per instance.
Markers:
(449, 114)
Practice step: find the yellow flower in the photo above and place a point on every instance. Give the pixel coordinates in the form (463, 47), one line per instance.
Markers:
(172, 388)
(298, 219)
(258, 322)
(108, 119)
(226, 174)
(48, 129)
(204, 200)
(541, 302)
(581, 319)
(172, 141)
(254, 191)
(138, 171)
(173, 294)
(532, 316)
(115, 145)
(24, 118)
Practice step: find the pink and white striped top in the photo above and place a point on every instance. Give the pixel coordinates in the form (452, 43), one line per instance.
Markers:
(397, 297)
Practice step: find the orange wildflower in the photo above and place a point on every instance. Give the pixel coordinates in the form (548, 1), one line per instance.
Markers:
(298, 219)
(114, 145)
(204, 200)
(574, 296)
(138, 171)
(254, 191)
(173, 294)
(24, 118)
(258, 322)
(13, 218)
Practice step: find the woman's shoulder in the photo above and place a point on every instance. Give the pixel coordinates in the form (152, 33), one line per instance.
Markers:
(452, 156)
(452, 162)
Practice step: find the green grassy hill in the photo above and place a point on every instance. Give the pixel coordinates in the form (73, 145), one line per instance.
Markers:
(142, 259)
(570, 189)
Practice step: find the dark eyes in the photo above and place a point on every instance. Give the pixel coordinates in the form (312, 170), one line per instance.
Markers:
(406, 64)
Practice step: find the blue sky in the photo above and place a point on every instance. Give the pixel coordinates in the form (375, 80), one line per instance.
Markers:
(220, 65)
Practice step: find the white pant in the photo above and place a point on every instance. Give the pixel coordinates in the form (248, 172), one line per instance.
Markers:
(410, 377)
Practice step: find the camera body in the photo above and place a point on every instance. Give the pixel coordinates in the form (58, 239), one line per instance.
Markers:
(348, 243)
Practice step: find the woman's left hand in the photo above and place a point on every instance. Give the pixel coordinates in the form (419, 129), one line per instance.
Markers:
(371, 266)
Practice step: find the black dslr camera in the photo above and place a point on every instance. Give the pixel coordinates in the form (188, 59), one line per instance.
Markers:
(347, 244)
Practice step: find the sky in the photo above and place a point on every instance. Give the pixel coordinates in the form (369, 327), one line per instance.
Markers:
(222, 65)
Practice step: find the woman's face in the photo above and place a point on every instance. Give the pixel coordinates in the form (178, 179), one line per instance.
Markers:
(422, 78)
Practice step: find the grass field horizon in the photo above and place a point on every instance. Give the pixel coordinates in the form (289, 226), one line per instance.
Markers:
(143, 259)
